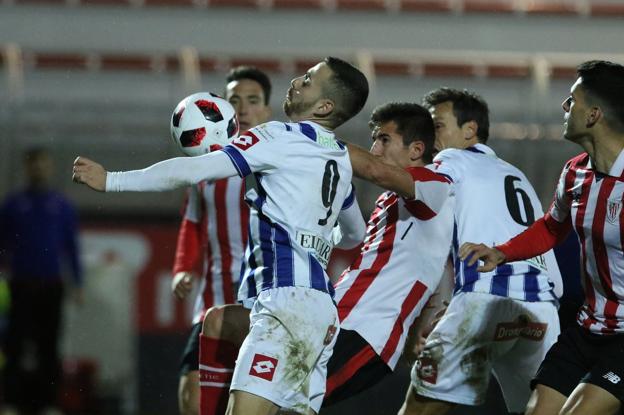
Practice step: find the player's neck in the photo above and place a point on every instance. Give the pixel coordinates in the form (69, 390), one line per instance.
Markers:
(320, 121)
(604, 151)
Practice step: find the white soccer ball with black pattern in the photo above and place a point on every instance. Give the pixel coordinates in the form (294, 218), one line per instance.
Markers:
(203, 122)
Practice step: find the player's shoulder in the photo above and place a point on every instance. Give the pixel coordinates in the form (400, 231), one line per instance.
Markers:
(269, 130)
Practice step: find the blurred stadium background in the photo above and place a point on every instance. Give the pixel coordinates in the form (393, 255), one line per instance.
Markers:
(100, 78)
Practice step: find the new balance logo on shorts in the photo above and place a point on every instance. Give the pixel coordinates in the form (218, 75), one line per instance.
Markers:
(612, 377)
(263, 367)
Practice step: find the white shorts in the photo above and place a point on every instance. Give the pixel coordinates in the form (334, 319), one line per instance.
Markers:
(293, 331)
(483, 333)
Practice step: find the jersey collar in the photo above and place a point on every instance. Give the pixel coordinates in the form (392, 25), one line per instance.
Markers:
(481, 148)
(617, 169)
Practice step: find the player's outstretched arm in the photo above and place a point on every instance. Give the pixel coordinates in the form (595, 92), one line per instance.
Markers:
(370, 168)
(491, 257)
(165, 175)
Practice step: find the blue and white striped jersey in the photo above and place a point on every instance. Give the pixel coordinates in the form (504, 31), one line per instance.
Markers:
(298, 178)
(495, 202)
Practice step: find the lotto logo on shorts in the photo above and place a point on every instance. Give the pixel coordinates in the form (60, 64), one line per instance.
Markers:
(427, 369)
(263, 367)
(245, 141)
(612, 377)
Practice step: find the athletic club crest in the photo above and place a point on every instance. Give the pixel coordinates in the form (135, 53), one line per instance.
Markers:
(614, 207)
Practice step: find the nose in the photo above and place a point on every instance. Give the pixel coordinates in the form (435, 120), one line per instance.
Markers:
(566, 105)
(376, 149)
(241, 108)
(294, 82)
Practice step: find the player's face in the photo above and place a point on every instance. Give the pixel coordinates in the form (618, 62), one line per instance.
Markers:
(306, 91)
(388, 145)
(574, 108)
(39, 169)
(247, 98)
(448, 133)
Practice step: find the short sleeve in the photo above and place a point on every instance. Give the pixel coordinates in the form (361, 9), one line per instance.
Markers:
(560, 207)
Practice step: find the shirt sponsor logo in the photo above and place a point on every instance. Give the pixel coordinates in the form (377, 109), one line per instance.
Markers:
(321, 247)
(524, 329)
(245, 140)
(263, 367)
(612, 377)
(327, 141)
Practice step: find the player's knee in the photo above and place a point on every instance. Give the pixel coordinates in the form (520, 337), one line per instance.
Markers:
(188, 394)
(213, 322)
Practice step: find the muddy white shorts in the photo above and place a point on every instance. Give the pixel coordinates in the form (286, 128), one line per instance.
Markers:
(293, 331)
(482, 334)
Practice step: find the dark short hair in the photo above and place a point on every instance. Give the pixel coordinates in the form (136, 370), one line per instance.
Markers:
(348, 88)
(251, 72)
(604, 83)
(413, 122)
(467, 106)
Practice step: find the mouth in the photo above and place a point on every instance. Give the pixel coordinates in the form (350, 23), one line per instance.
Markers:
(244, 125)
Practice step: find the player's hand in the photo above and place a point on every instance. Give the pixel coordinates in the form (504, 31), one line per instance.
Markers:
(491, 257)
(90, 173)
(182, 284)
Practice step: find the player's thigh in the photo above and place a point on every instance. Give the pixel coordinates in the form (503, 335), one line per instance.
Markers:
(188, 393)
(531, 329)
(545, 400)
(415, 404)
(455, 364)
(227, 322)
(244, 403)
(589, 399)
(603, 386)
(286, 343)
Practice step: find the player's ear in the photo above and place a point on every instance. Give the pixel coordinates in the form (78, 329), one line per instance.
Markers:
(593, 116)
(469, 129)
(324, 107)
(416, 150)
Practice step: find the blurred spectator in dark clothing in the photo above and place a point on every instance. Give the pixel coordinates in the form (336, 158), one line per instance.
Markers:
(38, 240)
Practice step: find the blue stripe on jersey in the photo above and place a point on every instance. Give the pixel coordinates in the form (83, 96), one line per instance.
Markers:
(308, 131)
(317, 276)
(251, 261)
(475, 150)
(258, 202)
(266, 245)
(349, 200)
(500, 281)
(341, 144)
(288, 127)
(456, 262)
(470, 275)
(238, 160)
(285, 261)
(531, 285)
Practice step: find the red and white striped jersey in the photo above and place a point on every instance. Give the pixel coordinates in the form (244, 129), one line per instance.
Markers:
(219, 214)
(592, 202)
(399, 266)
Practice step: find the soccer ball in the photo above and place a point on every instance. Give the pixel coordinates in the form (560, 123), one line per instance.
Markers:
(202, 123)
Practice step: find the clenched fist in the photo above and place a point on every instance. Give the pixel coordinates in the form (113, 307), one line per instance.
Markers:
(90, 173)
